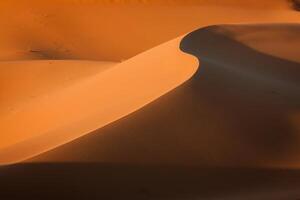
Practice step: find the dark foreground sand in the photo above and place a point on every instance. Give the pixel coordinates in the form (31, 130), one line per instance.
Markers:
(118, 181)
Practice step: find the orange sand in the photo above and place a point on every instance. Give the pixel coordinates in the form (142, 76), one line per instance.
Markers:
(54, 113)
(68, 113)
(239, 109)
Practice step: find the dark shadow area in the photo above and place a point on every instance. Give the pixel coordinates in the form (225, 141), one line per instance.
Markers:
(119, 181)
(257, 90)
(296, 4)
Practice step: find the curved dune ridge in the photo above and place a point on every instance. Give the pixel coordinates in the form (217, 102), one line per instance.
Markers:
(142, 99)
(238, 109)
(92, 97)
(73, 111)
(231, 131)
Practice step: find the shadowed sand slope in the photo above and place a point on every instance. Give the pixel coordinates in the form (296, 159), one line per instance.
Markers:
(118, 181)
(73, 111)
(296, 4)
(240, 109)
(285, 39)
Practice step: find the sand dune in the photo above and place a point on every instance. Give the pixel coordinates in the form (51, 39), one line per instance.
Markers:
(237, 109)
(98, 100)
(90, 104)
(44, 20)
(218, 136)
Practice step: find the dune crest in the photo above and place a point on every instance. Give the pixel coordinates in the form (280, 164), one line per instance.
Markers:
(23, 38)
(149, 99)
(93, 103)
(238, 110)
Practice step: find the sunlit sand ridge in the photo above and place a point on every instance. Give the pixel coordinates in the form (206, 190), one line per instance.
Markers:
(72, 110)
(229, 132)
(142, 99)
(223, 116)
(94, 102)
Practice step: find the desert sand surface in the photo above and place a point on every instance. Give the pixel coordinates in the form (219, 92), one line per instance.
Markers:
(22, 81)
(156, 22)
(211, 114)
(70, 112)
(230, 132)
(116, 30)
(223, 116)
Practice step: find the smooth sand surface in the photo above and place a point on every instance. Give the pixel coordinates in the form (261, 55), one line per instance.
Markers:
(284, 45)
(95, 30)
(157, 23)
(84, 106)
(229, 132)
(238, 109)
(23, 81)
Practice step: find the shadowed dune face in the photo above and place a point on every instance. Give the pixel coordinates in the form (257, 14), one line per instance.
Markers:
(262, 91)
(282, 41)
(238, 110)
(296, 4)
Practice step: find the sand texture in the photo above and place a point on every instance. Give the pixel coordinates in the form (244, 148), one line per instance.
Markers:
(149, 99)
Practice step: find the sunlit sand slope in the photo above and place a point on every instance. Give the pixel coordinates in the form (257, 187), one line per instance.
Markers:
(24, 81)
(73, 111)
(241, 108)
(113, 30)
(39, 31)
